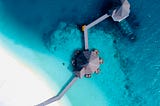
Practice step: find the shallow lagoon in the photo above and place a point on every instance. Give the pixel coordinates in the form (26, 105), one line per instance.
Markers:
(130, 73)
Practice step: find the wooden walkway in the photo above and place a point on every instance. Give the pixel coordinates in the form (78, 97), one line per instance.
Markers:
(90, 26)
(116, 17)
(59, 96)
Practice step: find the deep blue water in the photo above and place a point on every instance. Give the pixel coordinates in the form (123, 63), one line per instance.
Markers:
(130, 75)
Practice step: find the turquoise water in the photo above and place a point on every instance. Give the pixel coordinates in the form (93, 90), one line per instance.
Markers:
(130, 74)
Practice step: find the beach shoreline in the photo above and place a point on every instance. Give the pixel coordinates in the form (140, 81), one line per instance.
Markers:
(22, 85)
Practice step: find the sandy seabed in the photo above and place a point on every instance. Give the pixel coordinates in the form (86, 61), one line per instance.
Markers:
(20, 85)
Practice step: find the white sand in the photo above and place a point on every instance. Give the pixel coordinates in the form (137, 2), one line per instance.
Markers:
(20, 85)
